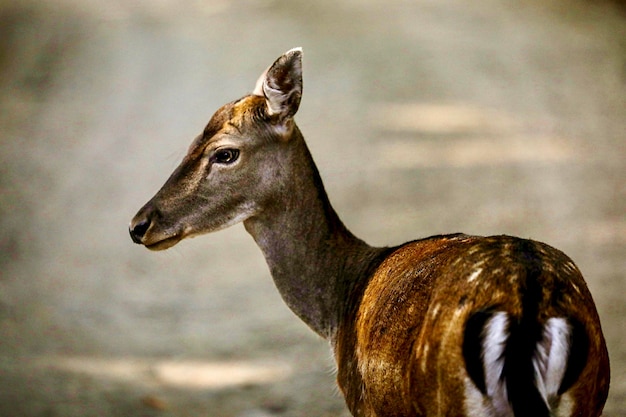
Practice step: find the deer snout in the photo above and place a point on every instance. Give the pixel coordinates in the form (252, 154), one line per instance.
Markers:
(137, 231)
(140, 224)
(147, 228)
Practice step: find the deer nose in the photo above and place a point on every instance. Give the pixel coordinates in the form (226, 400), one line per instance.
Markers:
(141, 223)
(138, 230)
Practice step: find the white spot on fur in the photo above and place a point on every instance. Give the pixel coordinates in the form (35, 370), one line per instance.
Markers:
(474, 250)
(497, 294)
(550, 360)
(424, 358)
(569, 265)
(496, 334)
(475, 274)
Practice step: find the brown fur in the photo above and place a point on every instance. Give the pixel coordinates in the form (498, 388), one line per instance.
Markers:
(400, 354)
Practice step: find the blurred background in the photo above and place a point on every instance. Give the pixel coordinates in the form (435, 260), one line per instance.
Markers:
(424, 117)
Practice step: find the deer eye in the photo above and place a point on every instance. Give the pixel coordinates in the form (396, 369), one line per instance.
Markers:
(226, 156)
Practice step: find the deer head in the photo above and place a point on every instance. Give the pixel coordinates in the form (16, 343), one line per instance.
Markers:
(234, 169)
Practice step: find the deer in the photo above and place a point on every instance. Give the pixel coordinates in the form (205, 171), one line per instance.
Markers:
(447, 325)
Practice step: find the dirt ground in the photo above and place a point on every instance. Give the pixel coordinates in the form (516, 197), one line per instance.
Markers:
(425, 117)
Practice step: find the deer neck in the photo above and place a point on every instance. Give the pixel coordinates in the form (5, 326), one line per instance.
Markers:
(317, 264)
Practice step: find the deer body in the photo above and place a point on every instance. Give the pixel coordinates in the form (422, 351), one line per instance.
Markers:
(412, 349)
(445, 326)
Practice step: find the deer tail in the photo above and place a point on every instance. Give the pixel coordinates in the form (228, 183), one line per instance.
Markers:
(523, 368)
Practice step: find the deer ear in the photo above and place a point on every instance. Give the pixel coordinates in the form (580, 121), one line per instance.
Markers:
(281, 84)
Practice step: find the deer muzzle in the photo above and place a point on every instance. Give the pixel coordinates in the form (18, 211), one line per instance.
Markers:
(144, 230)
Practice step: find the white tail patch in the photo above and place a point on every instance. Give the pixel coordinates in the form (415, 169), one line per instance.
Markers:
(550, 360)
(495, 336)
